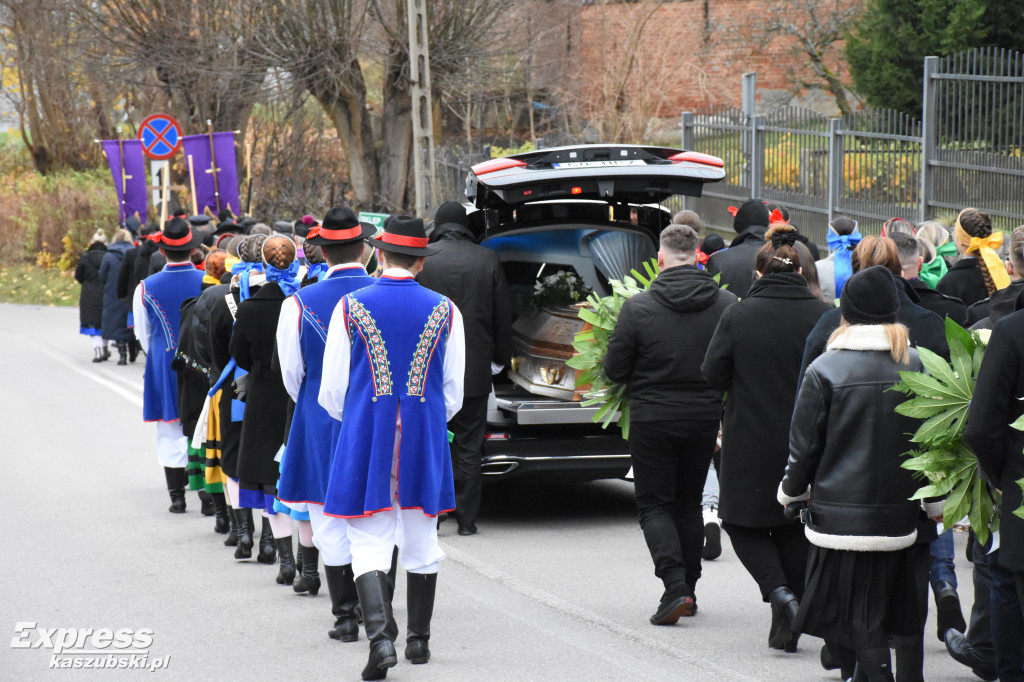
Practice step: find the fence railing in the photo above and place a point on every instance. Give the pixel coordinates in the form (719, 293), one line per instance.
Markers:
(878, 164)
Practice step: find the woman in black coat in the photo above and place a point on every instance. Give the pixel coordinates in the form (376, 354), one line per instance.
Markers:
(90, 299)
(974, 277)
(115, 310)
(867, 574)
(266, 402)
(755, 357)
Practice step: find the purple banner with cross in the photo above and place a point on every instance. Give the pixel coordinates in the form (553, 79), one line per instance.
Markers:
(213, 171)
(128, 168)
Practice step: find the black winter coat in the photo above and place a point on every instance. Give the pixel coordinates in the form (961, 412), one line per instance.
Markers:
(145, 252)
(659, 342)
(1000, 448)
(754, 357)
(90, 299)
(926, 328)
(847, 443)
(996, 306)
(126, 281)
(193, 377)
(736, 264)
(115, 310)
(213, 308)
(471, 276)
(964, 281)
(266, 402)
(942, 305)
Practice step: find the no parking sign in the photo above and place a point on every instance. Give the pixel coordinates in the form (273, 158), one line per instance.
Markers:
(160, 135)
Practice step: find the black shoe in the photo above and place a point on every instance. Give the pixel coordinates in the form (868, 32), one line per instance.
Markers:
(467, 530)
(206, 507)
(962, 651)
(122, 352)
(176, 482)
(232, 539)
(784, 610)
(133, 350)
(344, 602)
(97, 354)
(106, 353)
(268, 550)
(243, 531)
(420, 589)
(221, 517)
(373, 591)
(675, 603)
(286, 574)
(948, 613)
(309, 581)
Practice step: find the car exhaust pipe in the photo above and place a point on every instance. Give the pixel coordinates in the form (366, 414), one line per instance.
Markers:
(498, 468)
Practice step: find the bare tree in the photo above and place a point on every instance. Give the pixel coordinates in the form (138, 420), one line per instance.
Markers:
(817, 29)
(60, 109)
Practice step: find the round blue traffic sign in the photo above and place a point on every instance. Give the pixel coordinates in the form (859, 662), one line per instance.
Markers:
(160, 135)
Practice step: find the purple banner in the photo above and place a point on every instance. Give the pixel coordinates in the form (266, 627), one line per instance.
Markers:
(129, 176)
(216, 184)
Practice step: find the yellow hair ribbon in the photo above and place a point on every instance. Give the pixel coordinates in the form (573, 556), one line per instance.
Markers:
(986, 248)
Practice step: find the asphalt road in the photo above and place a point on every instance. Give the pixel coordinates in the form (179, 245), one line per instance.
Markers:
(557, 585)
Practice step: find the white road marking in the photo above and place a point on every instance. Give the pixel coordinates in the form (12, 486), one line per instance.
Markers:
(124, 393)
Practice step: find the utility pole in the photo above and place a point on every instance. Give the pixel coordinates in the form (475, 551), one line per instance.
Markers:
(422, 111)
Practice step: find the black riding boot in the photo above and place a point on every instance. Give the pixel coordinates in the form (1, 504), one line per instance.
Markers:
(344, 600)
(122, 352)
(232, 539)
(286, 574)
(221, 517)
(420, 588)
(373, 590)
(268, 553)
(133, 349)
(243, 530)
(784, 610)
(176, 482)
(309, 581)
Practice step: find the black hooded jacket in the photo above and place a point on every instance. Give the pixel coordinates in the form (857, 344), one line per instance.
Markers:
(659, 343)
(736, 264)
(985, 313)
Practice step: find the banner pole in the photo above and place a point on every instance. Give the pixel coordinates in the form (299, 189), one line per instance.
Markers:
(166, 192)
(213, 164)
(192, 183)
(124, 179)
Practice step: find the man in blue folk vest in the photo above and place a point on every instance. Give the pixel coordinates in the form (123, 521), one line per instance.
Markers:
(157, 311)
(306, 462)
(393, 371)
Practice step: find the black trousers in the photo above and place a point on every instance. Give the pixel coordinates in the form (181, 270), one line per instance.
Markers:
(773, 556)
(469, 426)
(670, 466)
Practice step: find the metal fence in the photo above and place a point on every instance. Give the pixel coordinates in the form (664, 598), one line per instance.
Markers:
(877, 164)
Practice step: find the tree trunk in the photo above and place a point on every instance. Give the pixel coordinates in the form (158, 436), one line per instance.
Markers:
(395, 155)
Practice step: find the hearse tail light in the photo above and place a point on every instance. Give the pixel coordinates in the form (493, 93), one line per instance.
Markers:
(697, 157)
(577, 190)
(496, 436)
(494, 165)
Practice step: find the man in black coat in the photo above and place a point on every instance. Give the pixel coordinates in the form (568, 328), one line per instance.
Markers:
(656, 349)
(736, 264)
(911, 261)
(998, 446)
(471, 276)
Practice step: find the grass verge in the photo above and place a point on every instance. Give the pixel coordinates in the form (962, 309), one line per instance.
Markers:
(27, 283)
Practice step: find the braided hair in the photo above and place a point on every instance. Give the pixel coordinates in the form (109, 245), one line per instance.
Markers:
(977, 224)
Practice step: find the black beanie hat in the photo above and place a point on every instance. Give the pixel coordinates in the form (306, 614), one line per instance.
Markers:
(752, 212)
(869, 297)
(451, 212)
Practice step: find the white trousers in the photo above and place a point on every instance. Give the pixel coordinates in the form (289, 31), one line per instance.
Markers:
(330, 536)
(171, 445)
(374, 539)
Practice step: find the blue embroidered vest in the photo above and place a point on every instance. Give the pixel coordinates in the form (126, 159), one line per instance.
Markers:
(163, 293)
(399, 332)
(305, 464)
